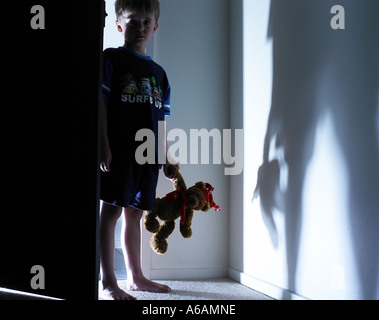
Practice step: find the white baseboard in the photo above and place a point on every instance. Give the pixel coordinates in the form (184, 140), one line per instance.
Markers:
(264, 287)
(188, 273)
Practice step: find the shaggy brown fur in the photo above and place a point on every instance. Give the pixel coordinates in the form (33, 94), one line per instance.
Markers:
(172, 206)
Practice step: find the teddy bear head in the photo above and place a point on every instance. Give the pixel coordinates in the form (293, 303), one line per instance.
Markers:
(200, 197)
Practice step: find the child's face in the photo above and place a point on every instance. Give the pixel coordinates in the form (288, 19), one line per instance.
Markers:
(137, 29)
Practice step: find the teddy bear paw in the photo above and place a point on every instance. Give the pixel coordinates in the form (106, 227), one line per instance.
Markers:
(186, 232)
(159, 245)
(151, 225)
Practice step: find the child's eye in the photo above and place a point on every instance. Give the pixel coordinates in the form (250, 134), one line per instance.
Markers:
(147, 22)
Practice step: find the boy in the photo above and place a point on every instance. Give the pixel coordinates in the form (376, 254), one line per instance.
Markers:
(136, 95)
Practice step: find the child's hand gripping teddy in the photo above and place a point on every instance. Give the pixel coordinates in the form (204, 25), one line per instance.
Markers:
(179, 203)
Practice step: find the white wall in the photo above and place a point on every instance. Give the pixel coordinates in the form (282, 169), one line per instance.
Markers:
(315, 90)
(192, 45)
(236, 241)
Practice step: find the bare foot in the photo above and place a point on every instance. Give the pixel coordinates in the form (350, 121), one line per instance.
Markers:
(113, 292)
(143, 284)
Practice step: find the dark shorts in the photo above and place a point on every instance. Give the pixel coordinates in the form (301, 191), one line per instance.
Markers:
(132, 185)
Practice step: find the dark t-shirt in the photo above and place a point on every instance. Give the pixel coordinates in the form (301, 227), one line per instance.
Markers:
(138, 94)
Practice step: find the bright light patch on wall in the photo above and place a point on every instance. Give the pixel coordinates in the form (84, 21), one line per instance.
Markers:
(264, 249)
(325, 258)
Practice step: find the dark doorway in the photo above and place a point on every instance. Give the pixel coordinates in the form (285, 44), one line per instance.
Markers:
(50, 148)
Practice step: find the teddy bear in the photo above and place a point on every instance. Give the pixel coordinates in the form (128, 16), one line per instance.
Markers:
(179, 203)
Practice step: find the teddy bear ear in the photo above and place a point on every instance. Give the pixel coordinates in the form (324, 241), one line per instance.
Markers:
(201, 185)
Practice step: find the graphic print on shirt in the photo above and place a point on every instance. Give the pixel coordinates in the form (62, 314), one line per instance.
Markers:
(145, 90)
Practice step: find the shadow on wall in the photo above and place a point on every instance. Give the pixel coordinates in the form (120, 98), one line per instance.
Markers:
(318, 71)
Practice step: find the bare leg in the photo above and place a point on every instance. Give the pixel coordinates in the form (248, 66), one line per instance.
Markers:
(131, 246)
(108, 219)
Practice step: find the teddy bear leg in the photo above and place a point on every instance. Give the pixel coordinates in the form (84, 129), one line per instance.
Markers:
(158, 241)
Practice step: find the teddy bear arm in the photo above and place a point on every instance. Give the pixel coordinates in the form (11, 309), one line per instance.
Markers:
(185, 229)
(151, 222)
(179, 183)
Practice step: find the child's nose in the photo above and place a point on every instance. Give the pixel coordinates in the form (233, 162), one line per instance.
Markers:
(140, 26)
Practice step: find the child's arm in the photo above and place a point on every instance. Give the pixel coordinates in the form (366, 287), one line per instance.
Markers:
(170, 160)
(105, 154)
